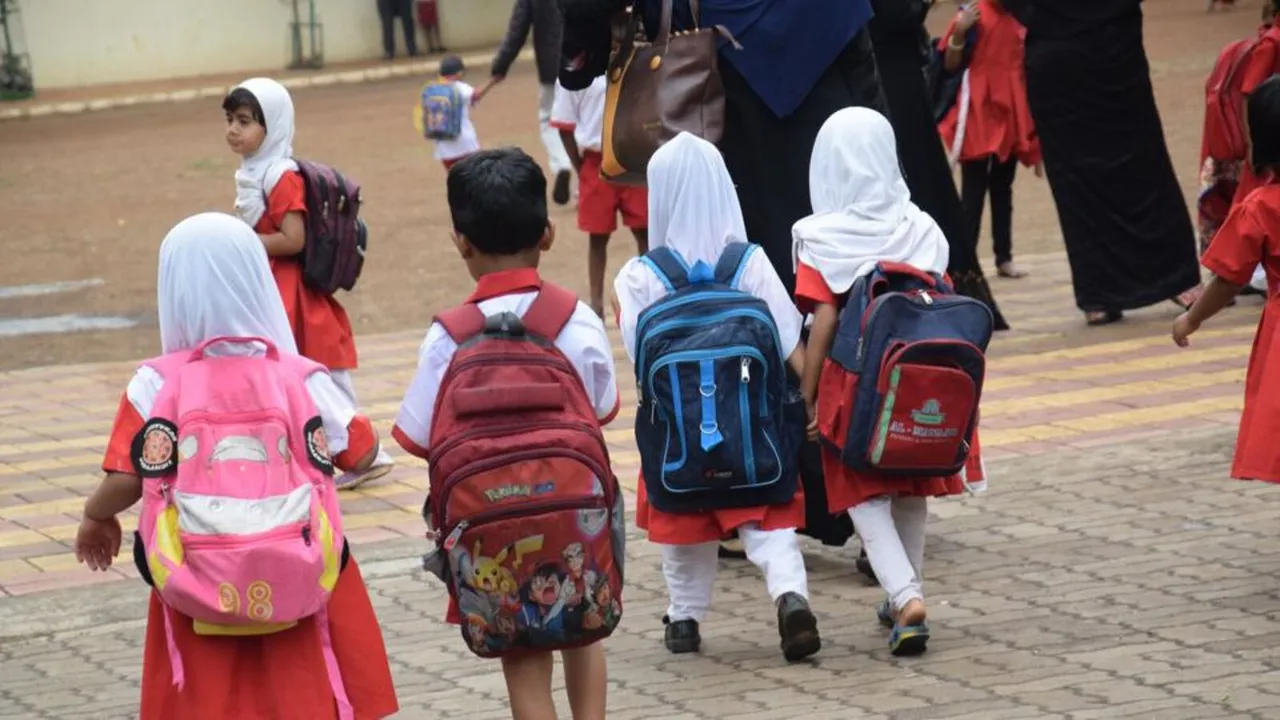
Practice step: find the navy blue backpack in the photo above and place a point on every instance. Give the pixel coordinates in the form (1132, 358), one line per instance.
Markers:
(909, 359)
(719, 425)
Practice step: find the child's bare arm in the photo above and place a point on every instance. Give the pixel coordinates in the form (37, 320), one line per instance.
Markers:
(291, 238)
(797, 360)
(483, 90)
(117, 493)
(822, 334)
(571, 149)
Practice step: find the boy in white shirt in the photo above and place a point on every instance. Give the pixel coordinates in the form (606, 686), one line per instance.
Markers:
(498, 200)
(451, 149)
(579, 116)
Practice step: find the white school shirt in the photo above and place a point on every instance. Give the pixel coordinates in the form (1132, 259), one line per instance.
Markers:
(583, 341)
(467, 141)
(336, 409)
(638, 287)
(581, 111)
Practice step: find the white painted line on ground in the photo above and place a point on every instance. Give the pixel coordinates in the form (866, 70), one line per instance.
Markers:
(53, 288)
(57, 324)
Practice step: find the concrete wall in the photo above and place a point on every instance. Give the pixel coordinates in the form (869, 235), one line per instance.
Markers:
(87, 42)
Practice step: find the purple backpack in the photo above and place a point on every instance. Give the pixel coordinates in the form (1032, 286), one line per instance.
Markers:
(336, 236)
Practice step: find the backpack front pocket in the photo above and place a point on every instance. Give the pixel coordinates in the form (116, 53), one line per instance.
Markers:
(925, 407)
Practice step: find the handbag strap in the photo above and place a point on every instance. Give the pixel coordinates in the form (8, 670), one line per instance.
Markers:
(664, 26)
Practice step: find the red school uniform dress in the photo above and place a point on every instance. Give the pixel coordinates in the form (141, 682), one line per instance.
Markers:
(1263, 62)
(320, 325)
(999, 122)
(1251, 235)
(847, 487)
(266, 677)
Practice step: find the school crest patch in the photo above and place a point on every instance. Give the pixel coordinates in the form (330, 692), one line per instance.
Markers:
(155, 449)
(318, 445)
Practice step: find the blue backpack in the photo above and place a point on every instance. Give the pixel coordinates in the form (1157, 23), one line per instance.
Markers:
(441, 111)
(909, 359)
(719, 425)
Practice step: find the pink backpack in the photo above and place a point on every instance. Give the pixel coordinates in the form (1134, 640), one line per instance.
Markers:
(240, 526)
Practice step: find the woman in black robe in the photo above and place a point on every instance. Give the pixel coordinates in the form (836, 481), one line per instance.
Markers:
(902, 50)
(1126, 225)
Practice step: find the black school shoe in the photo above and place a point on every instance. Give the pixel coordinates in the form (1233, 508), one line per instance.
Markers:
(560, 192)
(682, 636)
(798, 628)
(863, 564)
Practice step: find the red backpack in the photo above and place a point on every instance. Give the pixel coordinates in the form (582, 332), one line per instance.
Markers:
(1224, 132)
(522, 493)
(336, 235)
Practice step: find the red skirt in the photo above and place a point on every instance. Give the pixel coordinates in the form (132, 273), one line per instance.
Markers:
(320, 324)
(693, 529)
(272, 676)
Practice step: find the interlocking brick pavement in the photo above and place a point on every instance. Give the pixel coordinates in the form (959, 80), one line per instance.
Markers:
(1132, 581)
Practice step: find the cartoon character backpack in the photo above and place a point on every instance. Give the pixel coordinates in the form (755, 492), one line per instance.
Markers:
(528, 514)
(240, 527)
(337, 237)
(901, 394)
(718, 426)
(441, 111)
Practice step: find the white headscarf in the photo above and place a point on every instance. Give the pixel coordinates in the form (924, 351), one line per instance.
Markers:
(259, 172)
(215, 281)
(862, 210)
(693, 208)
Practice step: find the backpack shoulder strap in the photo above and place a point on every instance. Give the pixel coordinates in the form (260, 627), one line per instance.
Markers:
(462, 323)
(732, 260)
(668, 266)
(550, 311)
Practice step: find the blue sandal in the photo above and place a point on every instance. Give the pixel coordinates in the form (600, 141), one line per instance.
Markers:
(909, 640)
(885, 614)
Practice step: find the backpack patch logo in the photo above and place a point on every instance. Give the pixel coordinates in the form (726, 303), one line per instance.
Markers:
(930, 413)
(155, 449)
(318, 445)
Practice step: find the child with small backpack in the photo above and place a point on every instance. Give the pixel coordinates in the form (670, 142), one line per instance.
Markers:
(713, 332)
(313, 254)
(895, 361)
(506, 406)
(230, 440)
(579, 116)
(443, 114)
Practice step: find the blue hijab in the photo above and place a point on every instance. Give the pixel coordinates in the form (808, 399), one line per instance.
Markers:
(786, 44)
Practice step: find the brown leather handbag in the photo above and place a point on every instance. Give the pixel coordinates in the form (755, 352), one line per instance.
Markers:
(659, 89)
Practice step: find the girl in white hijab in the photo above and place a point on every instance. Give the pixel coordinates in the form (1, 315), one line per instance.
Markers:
(271, 198)
(694, 211)
(215, 282)
(863, 214)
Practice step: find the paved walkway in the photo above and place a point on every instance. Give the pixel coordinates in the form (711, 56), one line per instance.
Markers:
(1112, 571)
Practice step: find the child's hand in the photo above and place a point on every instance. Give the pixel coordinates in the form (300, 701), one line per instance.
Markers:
(98, 542)
(811, 431)
(1183, 327)
(1039, 169)
(968, 17)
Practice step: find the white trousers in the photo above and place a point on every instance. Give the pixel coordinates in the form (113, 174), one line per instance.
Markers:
(1259, 280)
(342, 378)
(690, 570)
(557, 158)
(892, 531)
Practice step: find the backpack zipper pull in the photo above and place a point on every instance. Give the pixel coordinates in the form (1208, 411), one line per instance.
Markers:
(746, 370)
(924, 296)
(452, 540)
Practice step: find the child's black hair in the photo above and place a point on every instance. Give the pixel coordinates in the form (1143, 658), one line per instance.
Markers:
(498, 200)
(1264, 125)
(241, 98)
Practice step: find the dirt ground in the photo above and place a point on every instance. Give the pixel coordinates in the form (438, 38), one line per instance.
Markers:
(92, 195)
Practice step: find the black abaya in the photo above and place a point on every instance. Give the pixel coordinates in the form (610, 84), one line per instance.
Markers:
(1128, 233)
(897, 34)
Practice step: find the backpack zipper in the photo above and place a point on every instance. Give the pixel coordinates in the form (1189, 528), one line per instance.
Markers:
(605, 475)
(499, 430)
(489, 516)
